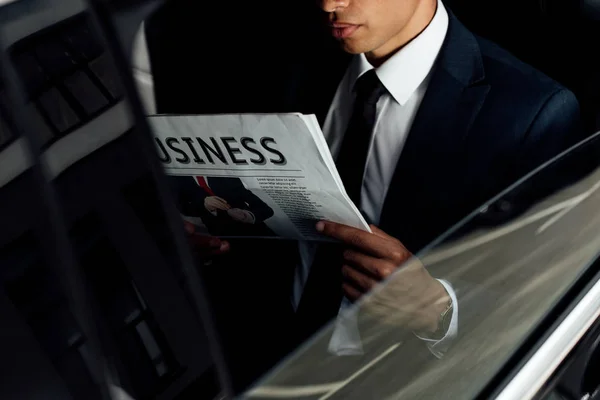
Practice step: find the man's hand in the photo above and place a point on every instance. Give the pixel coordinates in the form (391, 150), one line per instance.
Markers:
(205, 246)
(412, 298)
(244, 216)
(214, 203)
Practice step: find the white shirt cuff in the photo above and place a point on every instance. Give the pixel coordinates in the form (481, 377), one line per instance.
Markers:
(439, 347)
(346, 340)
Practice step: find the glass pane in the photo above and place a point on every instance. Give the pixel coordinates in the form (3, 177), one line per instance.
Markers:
(508, 271)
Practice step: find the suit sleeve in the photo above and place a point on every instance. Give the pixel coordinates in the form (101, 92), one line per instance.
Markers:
(188, 195)
(556, 127)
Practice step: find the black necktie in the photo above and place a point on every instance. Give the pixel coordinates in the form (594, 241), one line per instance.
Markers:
(323, 291)
(355, 146)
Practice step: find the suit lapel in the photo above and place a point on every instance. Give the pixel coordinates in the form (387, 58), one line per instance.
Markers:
(433, 152)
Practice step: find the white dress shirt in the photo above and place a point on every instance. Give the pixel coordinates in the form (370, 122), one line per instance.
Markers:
(405, 76)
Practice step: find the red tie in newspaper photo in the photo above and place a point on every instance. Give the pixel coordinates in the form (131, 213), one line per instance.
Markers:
(202, 182)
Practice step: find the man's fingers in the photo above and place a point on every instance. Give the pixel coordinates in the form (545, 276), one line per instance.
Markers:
(358, 279)
(223, 249)
(350, 292)
(368, 242)
(355, 237)
(206, 241)
(223, 206)
(216, 203)
(208, 245)
(240, 215)
(189, 227)
(222, 203)
(378, 268)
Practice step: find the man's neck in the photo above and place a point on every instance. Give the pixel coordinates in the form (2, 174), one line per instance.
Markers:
(419, 21)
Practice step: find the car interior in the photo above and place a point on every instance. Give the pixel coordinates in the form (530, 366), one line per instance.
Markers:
(150, 329)
(83, 123)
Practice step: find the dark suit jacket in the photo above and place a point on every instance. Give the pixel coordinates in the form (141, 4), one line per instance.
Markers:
(190, 201)
(486, 120)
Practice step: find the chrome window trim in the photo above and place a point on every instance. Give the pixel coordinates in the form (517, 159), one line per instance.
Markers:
(542, 364)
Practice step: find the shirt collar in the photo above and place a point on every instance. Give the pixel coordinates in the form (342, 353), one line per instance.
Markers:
(404, 72)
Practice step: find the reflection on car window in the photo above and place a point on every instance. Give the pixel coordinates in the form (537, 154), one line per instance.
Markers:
(507, 278)
(64, 71)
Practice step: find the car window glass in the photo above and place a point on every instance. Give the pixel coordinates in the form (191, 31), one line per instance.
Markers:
(506, 294)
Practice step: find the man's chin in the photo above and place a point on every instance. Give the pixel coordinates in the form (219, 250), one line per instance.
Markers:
(352, 47)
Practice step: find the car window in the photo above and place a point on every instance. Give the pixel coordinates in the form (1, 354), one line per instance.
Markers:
(509, 275)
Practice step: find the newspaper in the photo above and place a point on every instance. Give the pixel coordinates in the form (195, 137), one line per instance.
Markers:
(259, 175)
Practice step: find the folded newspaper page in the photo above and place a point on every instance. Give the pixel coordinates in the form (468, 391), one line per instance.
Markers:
(253, 175)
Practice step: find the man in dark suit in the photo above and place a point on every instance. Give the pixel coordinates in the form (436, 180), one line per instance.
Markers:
(223, 204)
(426, 121)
